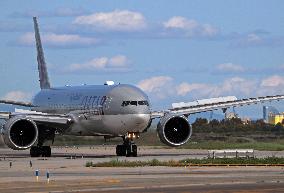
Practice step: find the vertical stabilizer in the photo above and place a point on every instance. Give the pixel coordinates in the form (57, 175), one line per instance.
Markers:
(43, 75)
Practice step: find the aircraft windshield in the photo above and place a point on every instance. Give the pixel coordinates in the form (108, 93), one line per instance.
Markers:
(134, 103)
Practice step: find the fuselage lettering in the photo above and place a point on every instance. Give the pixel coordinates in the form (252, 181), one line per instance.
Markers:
(93, 102)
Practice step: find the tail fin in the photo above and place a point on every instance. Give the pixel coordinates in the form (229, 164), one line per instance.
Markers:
(43, 75)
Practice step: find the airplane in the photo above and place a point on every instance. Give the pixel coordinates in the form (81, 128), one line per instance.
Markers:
(109, 110)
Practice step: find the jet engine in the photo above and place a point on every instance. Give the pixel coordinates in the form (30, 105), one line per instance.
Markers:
(20, 133)
(174, 130)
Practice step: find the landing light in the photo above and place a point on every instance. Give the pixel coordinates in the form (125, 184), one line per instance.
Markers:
(133, 135)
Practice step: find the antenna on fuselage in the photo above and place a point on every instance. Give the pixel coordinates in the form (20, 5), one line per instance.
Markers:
(43, 75)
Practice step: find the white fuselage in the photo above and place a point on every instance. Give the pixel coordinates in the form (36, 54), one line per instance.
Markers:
(98, 110)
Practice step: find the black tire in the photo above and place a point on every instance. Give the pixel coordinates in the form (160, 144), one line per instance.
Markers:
(35, 151)
(131, 151)
(134, 150)
(46, 151)
(120, 150)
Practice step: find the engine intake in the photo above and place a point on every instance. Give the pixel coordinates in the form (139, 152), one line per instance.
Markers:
(174, 130)
(20, 133)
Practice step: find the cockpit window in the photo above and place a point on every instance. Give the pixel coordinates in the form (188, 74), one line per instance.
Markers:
(134, 103)
(143, 103)
(125, 103)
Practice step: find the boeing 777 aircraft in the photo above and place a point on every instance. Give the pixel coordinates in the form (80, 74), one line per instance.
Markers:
(109, 110)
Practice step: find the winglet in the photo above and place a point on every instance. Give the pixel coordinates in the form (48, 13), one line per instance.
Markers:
(43, 75)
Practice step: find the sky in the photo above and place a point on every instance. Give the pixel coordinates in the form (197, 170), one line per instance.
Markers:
(173, 50)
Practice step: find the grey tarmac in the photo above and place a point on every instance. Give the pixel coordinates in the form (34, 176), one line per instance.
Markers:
(71, 175)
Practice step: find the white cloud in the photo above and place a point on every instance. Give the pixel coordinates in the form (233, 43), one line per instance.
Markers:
(116, 63)
(231, 86)
(250, 40)
(58, 40)
(257, 38)
(253, 38)
(235, 86)
(18, 96)
(272, 85)
(165, 86)
(59, 12)
(229, 67)
(118, 20)
(119, 61)
(273, 81)
(185, 88)
(181, 23)
(151, 84)
(159, 86)
(208, 30)
(190, 26)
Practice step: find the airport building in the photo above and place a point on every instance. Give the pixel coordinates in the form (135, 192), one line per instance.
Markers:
(276, 118)
(269, 110)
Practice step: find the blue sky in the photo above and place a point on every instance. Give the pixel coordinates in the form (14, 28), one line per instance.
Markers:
(173, 50)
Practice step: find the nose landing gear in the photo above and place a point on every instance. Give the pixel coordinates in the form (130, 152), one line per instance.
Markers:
(128, 148)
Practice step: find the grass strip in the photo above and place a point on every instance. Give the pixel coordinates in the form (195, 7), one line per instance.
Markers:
(185, 162)
(277, 145)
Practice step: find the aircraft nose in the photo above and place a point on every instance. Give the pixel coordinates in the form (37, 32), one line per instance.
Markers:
(142, 120)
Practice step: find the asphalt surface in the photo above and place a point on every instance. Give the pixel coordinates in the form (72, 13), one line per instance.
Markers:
(144, 153)
(71, 175)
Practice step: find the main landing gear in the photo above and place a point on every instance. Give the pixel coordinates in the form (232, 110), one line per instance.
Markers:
(37, 151)
(40, 150)
(128, 148)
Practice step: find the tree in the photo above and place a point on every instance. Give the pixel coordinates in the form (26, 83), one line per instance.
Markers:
(214, 123)
(278, 127)
(200, 122)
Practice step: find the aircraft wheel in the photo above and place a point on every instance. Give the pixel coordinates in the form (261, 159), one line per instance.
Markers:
(120, 150)
(131, 151)
(35, 151)
(134, 150)
(46, 151)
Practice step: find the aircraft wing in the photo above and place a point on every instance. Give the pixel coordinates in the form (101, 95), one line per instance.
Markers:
(215, 104)
(19, 103)
(38, 117)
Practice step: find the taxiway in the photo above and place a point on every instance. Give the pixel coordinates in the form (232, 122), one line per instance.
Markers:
(71, 175)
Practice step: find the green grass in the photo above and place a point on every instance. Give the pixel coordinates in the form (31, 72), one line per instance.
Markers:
(233, 141)
(269, 160)
(125, 163)
(185, 162)
(277, 145)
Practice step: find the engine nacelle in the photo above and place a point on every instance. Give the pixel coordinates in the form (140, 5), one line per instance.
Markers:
(174, 130)
(20, 133)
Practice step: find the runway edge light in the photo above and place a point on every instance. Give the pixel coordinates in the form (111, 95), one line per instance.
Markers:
(47, 176)
(37, 174)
